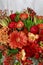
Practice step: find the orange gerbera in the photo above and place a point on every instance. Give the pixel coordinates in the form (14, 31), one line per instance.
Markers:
(17, 39)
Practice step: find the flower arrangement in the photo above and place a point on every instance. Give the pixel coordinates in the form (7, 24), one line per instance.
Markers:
(21, 38)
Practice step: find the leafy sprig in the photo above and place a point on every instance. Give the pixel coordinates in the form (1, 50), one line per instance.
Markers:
(28, 23)
(17, 16)
(12, 51)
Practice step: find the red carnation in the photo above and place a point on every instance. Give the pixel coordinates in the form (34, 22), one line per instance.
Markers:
(23, 16)
(34, 29)
(32, 50)
(17, 39)
(20, 24)
(12, 16)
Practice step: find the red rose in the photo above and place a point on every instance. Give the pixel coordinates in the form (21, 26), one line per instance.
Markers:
(12, 16)
(12, 25)
(34, 29)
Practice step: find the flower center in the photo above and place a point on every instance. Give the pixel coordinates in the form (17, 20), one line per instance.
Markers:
(32, 38)
(18, 39)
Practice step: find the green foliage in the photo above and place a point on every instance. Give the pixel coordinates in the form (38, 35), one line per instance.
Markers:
(17, 13)
(17, 63)
(0, 55)
(12, 51)
(0, 58)
(17, 16)
(28, 23)
(4, 22)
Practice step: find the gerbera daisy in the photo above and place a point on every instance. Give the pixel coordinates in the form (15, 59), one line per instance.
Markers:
(17, 39)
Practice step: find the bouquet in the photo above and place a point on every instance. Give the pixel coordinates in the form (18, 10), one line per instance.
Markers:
(21, 38)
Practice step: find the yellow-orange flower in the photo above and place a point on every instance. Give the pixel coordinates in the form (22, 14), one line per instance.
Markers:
(21, 55)
(32, 37)
(4, 35)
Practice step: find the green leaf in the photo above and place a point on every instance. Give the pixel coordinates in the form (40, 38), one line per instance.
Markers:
(17, 13)
(3, 22)
(0, 55)
(17, 17)
(7, 19)
(12, 51)
(17, 63)
(0, 61)
(28, 23)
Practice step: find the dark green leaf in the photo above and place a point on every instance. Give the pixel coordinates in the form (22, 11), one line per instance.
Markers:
(17, 13)
(28, 24)
(0, 55)
(17, 17)
(17, 63)
(0, 61)
(12, 51)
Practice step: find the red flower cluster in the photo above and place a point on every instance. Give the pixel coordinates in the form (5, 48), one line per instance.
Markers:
(33, 50)
(14, 24)
(24, 35)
